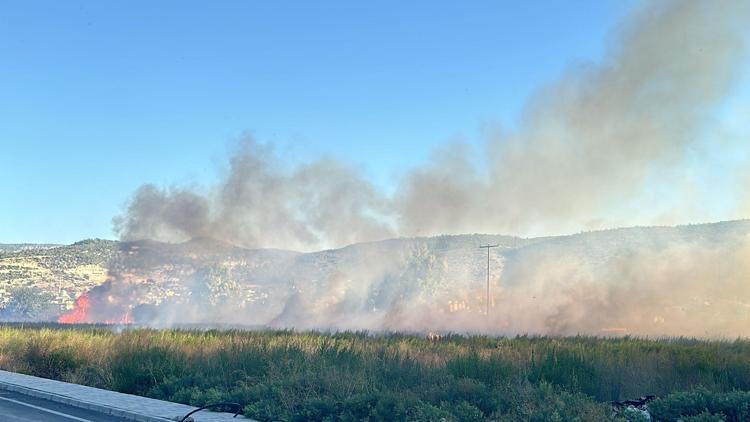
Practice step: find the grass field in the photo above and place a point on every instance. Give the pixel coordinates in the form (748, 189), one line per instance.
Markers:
(285, 375)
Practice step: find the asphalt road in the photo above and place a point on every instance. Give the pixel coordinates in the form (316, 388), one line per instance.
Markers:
(16, 407)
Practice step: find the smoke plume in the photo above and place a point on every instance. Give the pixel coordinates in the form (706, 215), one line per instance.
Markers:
(594, 138)
(260, 205)
(585, 149)
(585, 143)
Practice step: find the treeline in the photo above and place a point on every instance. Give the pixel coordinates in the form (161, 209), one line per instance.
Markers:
(285, 375)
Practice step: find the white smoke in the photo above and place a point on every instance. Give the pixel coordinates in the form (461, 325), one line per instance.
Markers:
(587, 147)
(586, 144)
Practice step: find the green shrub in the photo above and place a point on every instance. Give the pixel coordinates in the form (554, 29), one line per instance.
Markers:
(138, 370)
(732, 406)
(431, 413)
(465, 411)
(265, 410)
(491, 371)
(284, 375)
(41, 357)
(547, 402)
(705, 416)
(390, 407)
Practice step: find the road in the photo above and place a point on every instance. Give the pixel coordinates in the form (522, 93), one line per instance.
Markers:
(15, 407)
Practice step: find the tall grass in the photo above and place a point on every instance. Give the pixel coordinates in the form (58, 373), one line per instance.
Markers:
(286, 375)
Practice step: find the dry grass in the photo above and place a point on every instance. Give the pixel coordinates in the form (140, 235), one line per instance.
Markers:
(307, 375)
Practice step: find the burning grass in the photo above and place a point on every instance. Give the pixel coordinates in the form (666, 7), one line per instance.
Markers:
(353, 376)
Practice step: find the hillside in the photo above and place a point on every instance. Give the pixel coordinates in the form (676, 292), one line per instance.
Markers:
(646, 280)
(65, 272)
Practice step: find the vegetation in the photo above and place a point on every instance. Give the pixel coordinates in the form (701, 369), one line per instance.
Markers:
(285, 375)
(28, 304)
(60, 273)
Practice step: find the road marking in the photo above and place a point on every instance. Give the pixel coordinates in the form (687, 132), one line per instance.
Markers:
(65, 415)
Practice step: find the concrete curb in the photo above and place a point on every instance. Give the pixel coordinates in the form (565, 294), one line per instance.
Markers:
(126, 406)
(83, 404)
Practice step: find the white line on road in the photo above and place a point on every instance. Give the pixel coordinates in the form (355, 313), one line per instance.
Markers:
(65, 415)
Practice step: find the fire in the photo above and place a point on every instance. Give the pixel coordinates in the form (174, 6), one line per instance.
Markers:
(79, 314)
(92, 309)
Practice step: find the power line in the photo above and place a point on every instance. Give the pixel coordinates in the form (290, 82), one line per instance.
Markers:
(488, 247)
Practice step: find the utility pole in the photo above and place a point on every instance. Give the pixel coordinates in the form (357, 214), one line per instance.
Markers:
(488, 247)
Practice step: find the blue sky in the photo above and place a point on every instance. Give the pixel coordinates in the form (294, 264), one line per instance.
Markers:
(97, 98)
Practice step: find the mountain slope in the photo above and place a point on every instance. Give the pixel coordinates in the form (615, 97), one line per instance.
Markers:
(690, 280)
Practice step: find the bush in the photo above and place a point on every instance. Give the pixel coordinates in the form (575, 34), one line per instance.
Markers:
(430, 413)
(704, 416)
(549, 403)
(138, 370)
(465, 411)
(732, 406)
(42, 358)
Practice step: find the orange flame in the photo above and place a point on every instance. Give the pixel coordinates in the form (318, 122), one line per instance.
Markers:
(79, 314)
